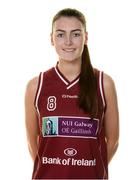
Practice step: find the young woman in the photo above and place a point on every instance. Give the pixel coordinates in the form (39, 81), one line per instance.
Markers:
(71, 110)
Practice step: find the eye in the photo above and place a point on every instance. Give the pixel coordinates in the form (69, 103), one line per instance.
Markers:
(60, 35)
(76, 34)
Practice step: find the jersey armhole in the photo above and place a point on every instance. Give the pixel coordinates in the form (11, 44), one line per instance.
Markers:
(102, 92)
(37, 94)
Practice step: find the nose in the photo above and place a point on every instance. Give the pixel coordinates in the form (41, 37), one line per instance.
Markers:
(68, 40)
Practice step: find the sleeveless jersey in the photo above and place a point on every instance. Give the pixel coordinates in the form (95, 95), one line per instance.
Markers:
(71, 144)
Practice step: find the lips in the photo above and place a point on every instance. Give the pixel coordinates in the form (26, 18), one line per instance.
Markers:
(69, 50)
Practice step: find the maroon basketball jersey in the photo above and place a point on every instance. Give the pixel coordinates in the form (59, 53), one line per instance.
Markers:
(71, 144)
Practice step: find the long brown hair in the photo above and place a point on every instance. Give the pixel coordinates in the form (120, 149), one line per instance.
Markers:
(88, 85)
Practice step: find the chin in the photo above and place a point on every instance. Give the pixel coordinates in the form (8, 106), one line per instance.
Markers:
(70, 59)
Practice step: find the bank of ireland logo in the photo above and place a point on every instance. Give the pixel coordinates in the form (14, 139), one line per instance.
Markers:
(70, 152)
(51, 103)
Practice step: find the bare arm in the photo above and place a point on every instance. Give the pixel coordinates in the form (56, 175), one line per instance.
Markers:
(111, 119)
(31, 119)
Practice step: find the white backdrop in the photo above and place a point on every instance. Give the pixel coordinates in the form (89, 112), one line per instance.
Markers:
(25, 50)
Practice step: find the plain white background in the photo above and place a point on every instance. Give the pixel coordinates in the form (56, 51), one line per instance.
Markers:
(25, 50)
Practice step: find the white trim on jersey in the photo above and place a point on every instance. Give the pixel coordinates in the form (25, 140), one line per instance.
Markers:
(101, 88)
(102, 93)
(61, 77)
(39, 90)
(72, 84)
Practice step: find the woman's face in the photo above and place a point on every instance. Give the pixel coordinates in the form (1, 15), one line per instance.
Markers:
(68, 37)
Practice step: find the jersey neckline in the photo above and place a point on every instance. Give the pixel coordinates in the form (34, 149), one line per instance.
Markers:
(64, 79)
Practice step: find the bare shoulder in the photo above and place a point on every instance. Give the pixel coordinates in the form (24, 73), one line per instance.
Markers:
(108, 82)
(109, 86)
(32, 86)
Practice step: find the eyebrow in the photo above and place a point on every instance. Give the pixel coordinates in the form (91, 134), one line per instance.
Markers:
(65, 31)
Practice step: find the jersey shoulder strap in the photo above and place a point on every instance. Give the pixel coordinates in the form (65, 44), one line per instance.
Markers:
(100, 84)
(39, 87)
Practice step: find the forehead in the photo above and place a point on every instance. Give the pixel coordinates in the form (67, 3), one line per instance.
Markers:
(67, 23)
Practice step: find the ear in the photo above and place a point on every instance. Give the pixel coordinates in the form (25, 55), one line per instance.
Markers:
(86, 38)
(52, 42)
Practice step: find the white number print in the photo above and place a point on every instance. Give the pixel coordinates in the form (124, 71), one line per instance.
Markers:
(51, 103)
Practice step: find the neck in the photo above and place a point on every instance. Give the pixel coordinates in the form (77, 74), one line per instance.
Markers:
(70, 69)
